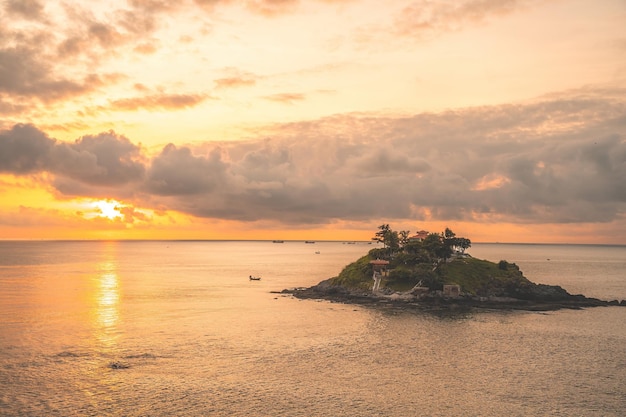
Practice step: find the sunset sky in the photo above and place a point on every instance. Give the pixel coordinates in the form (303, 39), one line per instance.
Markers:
(504, 120)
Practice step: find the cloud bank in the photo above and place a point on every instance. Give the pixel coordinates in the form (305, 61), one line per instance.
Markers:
(58, 52)
(561, 159)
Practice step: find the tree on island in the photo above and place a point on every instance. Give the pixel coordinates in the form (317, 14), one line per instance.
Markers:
(384, 235)
(412, 261)
(438, 247)
(392, 241)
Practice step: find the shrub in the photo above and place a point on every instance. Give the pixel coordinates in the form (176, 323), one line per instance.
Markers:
(356, 274)
(378, 253)
(401, 275)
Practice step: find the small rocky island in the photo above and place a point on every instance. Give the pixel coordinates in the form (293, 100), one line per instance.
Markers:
(432, 272)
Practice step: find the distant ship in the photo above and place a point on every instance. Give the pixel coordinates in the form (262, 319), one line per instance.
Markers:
(278, 241)
(309, 241)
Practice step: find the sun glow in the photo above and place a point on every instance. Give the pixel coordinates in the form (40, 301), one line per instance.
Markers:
(108, 209)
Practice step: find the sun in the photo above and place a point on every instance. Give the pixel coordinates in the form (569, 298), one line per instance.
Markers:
(108, 208)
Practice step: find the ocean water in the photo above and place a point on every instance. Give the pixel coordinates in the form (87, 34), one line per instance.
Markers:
(174, 328)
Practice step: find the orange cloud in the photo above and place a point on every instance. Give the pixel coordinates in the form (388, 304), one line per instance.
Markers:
(272, 7)
(29, 9)
(491, 181)
(231, 82)
(286, 98)
(158, 101)
(146, 48)
(426, 18)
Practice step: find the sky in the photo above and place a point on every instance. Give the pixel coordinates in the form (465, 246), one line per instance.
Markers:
(504, 120)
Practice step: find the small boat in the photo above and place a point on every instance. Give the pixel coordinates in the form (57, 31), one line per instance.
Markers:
(254, 278)
(309, 241)
(278, 241)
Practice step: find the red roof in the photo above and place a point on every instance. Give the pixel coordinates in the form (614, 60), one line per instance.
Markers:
(422, 234)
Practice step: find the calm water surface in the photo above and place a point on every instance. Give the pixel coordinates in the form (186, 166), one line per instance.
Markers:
(176, 328)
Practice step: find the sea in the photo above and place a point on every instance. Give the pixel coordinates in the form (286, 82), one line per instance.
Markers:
(176, 328)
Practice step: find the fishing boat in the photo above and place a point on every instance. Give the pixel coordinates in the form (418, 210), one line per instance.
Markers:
(254, 278)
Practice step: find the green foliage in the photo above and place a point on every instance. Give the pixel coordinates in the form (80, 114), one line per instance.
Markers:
(475, 276)
(387, 237)
(403, 237)
(425, 262)
(400, 279)
(378, 253)
(429, 277)
(405, 276)
(480, 277)
(448, 234)
(433, 245)
(404, 259)
(437, 248)
(358, 274)
(402, 275)
(462, 243)
(413, 247)
(392, 241)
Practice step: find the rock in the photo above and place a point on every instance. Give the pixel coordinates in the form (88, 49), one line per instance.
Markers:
(118, 365)
(538, 297)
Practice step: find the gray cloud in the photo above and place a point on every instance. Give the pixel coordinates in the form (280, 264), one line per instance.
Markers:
(177, 172)
(30, 9)
(554, 161)
(24, 149)
(35, 58)
(106, 159)
(561, 159)
(22, 73)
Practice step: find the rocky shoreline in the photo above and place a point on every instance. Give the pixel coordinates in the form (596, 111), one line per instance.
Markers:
(542, 298)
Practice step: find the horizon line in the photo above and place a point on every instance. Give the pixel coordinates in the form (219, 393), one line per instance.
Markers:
(285, 241)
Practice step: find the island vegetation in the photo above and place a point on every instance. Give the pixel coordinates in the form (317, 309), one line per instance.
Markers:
(433, 270)
(411, 261)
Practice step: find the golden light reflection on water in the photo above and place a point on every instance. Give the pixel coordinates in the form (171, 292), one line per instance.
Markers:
(107, 298)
